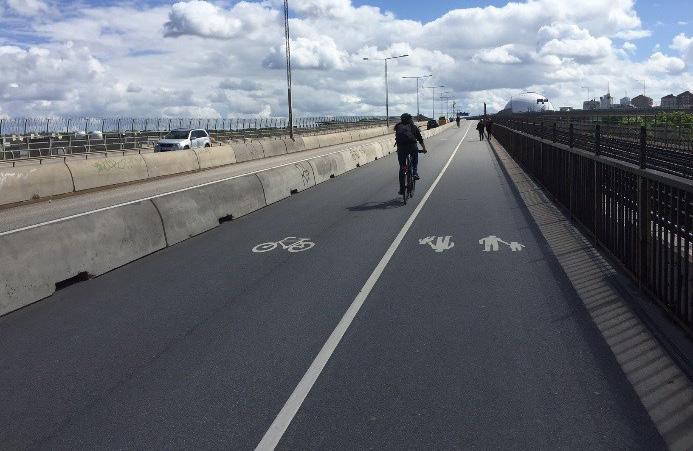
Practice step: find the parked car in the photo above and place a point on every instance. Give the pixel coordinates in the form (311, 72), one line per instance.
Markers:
(431, 124)
(183, 139)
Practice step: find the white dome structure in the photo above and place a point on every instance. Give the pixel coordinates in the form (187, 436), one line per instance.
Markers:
(529, 102)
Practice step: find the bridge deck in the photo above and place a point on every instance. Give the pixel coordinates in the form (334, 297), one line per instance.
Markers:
(477, 345)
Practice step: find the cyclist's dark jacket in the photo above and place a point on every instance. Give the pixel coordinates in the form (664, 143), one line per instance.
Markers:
(417, 133)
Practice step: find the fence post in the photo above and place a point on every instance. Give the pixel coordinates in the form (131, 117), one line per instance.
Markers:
(597, 140)
(643, 147)
(571, 136)
(554, 132)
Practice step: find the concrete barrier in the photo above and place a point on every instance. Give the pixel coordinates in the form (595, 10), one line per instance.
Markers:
(34, 260)
(212, 157)
(98, 172)
(331, 139)
(281, 182)
(311, 142)
(273, 147)
(296, 145)
(22, 183)
(167, 163)
(249, 150)
(324, 168)
(191, 212)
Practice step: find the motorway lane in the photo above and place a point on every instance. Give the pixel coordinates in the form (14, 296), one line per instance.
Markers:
(200, 344)
(44, 210)
(465, 349)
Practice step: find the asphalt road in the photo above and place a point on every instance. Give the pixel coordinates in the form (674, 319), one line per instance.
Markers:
(201, 345)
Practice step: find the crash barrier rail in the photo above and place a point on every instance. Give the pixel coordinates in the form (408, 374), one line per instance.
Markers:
(666, 149)
(22, 138)
(112, 237)
(642, 217)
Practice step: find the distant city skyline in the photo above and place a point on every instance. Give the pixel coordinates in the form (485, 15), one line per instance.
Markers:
(226, 58)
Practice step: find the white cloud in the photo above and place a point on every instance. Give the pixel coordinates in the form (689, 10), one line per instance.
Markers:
(629, 47)
(658, 62)
(684, 45)
(28, 8)
(498, 55)
(220, 57)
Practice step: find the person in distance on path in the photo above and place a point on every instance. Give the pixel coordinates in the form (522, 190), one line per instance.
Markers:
(480, 129)
(488, 125)
(457, 120)
(407, 134)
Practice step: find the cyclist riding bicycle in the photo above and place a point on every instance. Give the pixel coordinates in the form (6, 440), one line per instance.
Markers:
(407, 134)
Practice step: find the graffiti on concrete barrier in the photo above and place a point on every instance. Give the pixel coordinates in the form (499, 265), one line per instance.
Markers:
(5, 177)
(110, 164)
(305, 173)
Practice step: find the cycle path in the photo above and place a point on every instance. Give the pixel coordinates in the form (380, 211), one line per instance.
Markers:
(200, 344)
(460, 348)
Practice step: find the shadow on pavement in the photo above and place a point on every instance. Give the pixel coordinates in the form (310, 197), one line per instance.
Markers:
(393, 203)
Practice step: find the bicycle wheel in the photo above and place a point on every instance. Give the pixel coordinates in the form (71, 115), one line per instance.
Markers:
(300, 246)
(265, 247)
(409, 179)
(403, 185)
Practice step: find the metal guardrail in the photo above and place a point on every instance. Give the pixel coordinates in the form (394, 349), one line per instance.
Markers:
(31, 138)
(641, 217)
(666, 149)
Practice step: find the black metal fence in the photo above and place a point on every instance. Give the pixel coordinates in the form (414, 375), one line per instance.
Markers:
(664, 148)
(45, 137)
(643, 218)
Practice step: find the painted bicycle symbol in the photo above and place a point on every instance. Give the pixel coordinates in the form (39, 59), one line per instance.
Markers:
(290, 243)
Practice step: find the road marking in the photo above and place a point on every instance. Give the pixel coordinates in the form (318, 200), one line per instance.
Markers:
(278, 427)
(441, 244)
(491, 244)
(290, 243)
(156, 196)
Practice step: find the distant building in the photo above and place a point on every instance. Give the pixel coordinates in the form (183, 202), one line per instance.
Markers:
(528, 102)
(668, 101)
(590, 105)
(624, 102)
(684, 100)
(606, 101)
(566, 108)
(642, 101)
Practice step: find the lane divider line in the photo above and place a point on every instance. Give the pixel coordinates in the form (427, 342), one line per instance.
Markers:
(156, 196)
(280, 424)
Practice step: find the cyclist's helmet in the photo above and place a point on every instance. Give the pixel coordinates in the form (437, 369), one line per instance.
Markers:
(406, 118)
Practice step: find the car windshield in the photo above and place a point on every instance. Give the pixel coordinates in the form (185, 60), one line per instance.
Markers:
(177, 134)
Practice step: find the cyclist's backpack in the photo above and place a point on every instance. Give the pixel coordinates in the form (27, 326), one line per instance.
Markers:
(404, 135)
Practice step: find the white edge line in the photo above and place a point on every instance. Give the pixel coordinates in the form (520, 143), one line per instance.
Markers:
(280, 424)
(156, 196)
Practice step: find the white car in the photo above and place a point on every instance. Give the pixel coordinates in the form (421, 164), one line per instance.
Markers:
(183, 139)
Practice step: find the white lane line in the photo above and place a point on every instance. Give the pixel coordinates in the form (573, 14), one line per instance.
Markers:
(156, 196)
(276, 431)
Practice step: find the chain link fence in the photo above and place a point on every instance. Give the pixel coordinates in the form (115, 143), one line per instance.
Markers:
(29, 138)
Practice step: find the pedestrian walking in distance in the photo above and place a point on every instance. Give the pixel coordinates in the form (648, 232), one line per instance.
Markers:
(480, 129)
(488, 125)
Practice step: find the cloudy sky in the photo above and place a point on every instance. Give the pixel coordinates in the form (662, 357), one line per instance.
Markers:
(226, 58)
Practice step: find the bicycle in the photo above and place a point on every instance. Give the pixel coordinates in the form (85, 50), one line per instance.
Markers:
(407, 183)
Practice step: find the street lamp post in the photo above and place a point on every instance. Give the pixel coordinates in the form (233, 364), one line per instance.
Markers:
(387, 89)
(434, 97)
(418, 112)
(288, 67)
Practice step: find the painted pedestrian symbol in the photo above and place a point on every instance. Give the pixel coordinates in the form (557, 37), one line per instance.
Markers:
(441, 244)
(290, 243)
(492, 243)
